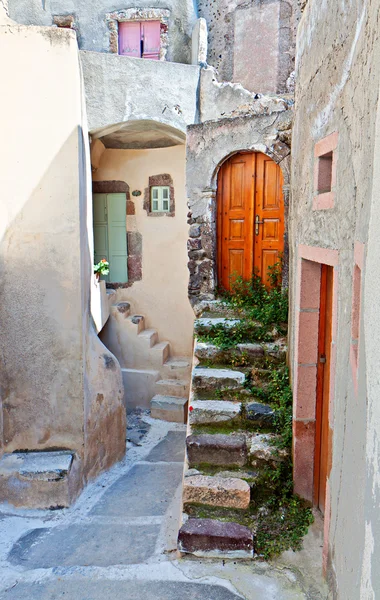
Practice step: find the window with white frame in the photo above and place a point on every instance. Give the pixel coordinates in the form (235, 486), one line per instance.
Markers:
(160, 198)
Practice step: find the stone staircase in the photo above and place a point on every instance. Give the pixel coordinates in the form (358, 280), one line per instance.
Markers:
(230, 440)
(152, 377)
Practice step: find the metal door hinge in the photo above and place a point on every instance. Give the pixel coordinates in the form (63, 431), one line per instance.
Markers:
(322, 358)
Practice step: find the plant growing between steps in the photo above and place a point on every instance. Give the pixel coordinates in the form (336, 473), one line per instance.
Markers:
(256, 315)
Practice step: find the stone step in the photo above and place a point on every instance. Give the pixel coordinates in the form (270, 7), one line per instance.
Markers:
(229, 492)
(216, 379)
(251, 352)
(176, 368)
(169, 408)
(43, 480)
(160, 353)
(213, 411)
(119, 309)
(207, 323)
(136, 323)
(208, 537)
(173, 387)
(149, 337)
(217, 449)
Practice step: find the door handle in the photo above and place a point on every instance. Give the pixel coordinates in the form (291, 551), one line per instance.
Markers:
(257, 223)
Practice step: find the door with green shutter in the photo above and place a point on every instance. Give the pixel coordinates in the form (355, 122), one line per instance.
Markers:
(110, 234)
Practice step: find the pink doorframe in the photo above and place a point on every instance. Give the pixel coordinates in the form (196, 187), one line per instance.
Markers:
(309, 261)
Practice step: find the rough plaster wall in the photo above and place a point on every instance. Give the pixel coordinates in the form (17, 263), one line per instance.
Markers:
(49, 383)
(224, 42)
(338, 90)
(111, 98)
(93, 33)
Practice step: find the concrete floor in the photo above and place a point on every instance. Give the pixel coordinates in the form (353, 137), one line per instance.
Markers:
(119, 540)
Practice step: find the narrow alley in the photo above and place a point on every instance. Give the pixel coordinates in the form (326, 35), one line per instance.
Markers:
(119, 540)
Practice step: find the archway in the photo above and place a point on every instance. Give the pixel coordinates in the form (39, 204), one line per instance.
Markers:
(250, 217)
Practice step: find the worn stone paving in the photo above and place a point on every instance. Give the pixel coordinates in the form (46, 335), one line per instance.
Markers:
(119, 540)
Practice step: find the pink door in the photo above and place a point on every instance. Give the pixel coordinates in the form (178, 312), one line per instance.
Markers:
(130, 39)
(150, 34)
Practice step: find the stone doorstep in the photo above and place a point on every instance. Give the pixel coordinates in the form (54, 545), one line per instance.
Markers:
(213, 411)
(211, 379)
(169, 408)
(217, 491)
(39, 479)
(217, 449)
(208, 537)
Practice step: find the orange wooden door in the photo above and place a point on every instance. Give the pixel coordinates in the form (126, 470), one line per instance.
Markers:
(250, 217)
(269, 215)
(322, 437)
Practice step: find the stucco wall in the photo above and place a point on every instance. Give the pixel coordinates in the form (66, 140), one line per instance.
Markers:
(252, 42)
(53, 366)
(337, 91)
(117, 90)
(161, 295)
(91, 25)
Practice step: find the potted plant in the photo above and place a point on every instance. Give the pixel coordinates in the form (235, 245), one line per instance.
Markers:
(102, 268)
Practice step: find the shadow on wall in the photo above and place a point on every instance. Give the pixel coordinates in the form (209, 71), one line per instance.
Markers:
(60, 387)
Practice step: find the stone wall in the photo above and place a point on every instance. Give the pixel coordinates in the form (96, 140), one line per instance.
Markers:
(252, 42)
(93, 26)
(337, 91)
(208, 145)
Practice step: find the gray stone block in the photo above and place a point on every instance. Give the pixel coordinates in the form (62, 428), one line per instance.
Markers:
(260, 413)
(218, 449)
(154, 499)
(170, 449)
(213, 411)
(212, 379)
(208, 537)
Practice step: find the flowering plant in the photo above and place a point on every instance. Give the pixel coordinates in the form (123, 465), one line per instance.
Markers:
(102, 268)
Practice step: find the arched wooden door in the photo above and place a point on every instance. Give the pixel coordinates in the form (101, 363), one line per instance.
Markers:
(250, 217)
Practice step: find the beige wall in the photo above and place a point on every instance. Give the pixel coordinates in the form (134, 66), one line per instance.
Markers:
(58, 386)
(161, 295)
(337, 90)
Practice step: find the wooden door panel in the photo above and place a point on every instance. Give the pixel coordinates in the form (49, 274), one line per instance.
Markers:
(271, 230)
(249, 185)
(236, 263)
(269, 208)
(237, 230)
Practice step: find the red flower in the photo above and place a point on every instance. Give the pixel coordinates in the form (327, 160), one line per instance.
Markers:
(190, 408)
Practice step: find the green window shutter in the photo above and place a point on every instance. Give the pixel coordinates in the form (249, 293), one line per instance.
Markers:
(117, 237)
(100, 228)
(160, 198)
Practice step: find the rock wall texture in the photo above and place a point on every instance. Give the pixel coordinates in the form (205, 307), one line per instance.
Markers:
(91, 25)
(338, 75)
(252, 42)
(208, 146)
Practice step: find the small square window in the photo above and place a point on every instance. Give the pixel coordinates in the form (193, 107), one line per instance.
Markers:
(325, 166)
(160, 196)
